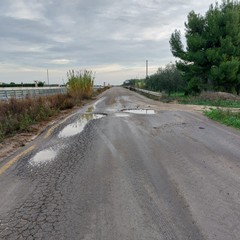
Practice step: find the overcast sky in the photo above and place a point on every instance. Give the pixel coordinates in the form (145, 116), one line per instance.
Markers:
(111, 37)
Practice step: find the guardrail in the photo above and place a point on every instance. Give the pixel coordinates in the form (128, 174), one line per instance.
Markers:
(156, 95)
(20, 93)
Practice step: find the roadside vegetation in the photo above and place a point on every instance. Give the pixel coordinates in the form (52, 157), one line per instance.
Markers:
(17, 115)
(217, 99)
(80, 84)
(207, 70)
(210, 61)
(226, 117)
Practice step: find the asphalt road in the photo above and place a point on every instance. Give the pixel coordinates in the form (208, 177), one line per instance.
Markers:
(172, 174)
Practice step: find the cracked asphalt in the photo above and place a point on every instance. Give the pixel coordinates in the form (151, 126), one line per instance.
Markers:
(169, 175)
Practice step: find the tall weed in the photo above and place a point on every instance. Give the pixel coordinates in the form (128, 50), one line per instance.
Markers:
(80, 83)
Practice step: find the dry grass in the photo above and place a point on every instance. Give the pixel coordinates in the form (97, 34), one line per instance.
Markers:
(17, 115)
(218, 99)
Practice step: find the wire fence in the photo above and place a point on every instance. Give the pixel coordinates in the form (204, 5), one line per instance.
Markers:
(20, 93)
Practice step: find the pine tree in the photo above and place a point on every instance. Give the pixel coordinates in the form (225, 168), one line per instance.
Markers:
(211, 60)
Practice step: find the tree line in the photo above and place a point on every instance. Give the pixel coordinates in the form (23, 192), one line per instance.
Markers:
(167, 79)
(12, 84)
(211, 59)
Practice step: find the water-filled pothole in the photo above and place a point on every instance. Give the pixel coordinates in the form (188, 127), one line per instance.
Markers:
(43, 156)
(139, 111)
(94, 106)
(90, 109)
(78, 126)
(121, 115)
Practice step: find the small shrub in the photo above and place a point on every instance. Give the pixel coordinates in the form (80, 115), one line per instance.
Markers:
(2, 133)
(24, 122)
(67, 104)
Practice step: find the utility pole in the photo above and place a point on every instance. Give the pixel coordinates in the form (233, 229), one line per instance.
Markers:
(47, 77)
(146, 69)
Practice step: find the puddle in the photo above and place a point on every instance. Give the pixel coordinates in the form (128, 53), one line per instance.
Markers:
(93, 107)
(78, 126)
(112, 109)
(140, 111)
(44, 156)
(121, 115)
(90, 109)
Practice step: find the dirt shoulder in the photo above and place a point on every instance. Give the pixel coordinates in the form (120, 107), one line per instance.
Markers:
(12, 143)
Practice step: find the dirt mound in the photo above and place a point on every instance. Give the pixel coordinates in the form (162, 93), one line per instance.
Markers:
(219, 96)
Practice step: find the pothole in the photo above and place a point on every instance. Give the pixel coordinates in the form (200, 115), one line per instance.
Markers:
(43, 156)
(78, 126)
(139, 111)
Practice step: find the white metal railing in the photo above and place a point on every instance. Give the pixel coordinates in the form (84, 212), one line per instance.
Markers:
(20, 93)
(156, 94)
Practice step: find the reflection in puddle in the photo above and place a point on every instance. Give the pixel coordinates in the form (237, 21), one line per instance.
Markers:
(43, 156)
(90, 109)
(121, 115)
(139, 111)
(78, 126)
(93, 107)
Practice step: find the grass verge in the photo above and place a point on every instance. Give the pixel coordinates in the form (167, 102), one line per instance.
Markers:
(226, 117)
(217, 99)
(206, 102)
(203, 99)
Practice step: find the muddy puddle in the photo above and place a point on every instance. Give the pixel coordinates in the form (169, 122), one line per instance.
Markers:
(43, 156)
(78, 126)
(139, 111)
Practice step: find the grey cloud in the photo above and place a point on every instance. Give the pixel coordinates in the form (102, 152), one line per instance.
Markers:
(23, 30)
(90, 32)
